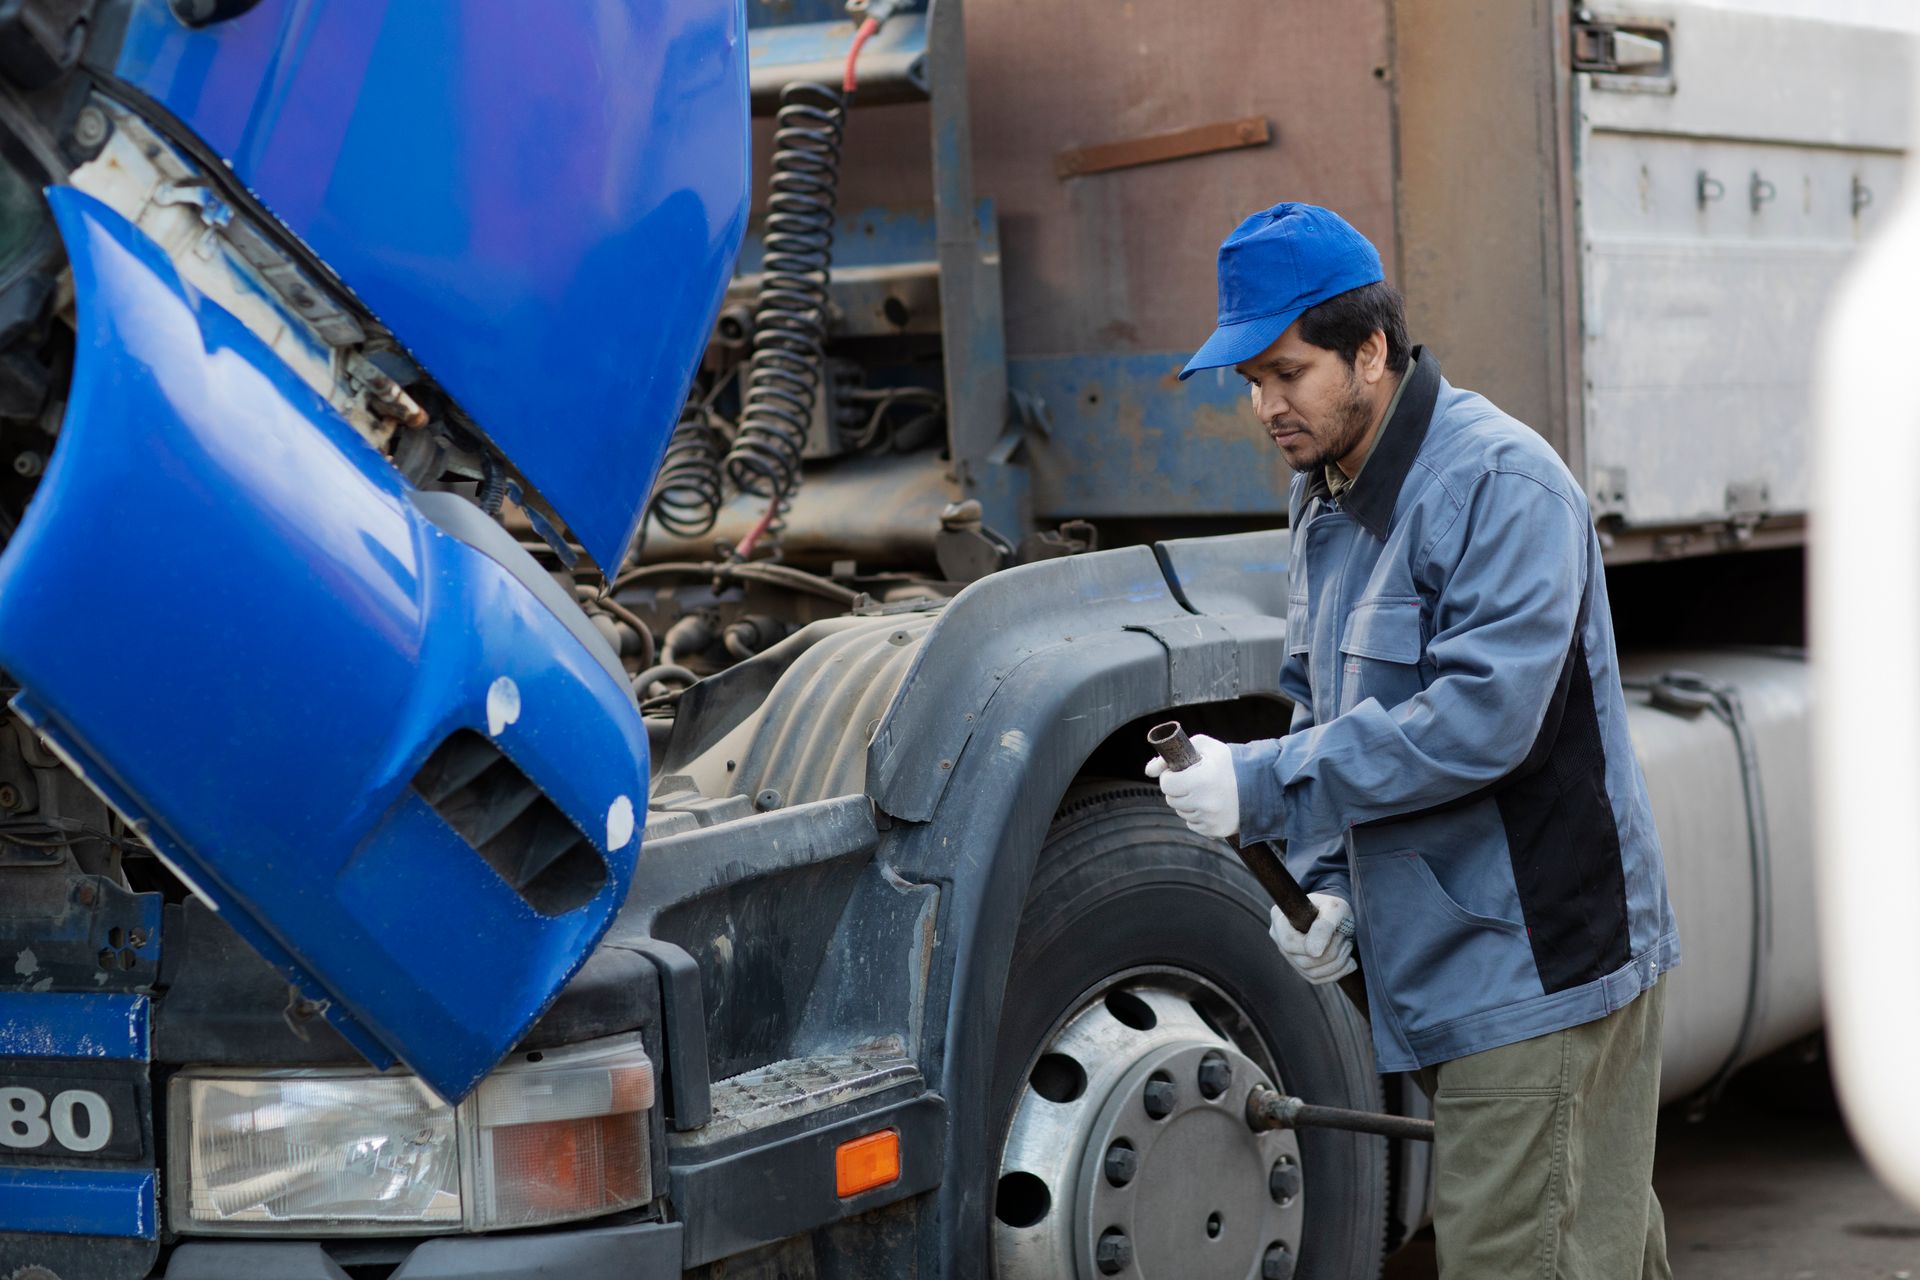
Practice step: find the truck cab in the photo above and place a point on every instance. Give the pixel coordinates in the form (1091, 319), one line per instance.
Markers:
(584, 587)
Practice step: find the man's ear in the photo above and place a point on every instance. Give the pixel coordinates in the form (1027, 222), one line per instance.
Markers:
(1370, 360)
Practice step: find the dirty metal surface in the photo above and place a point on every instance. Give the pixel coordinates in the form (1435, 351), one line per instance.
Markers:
(808, 738)
(798, 1086)
(1484, 259)
(1124, 262)
(876, 510)
(1203, 661)
(1714, 221)
(979, 641)
(1123, 436)
(892, 65)
(1156, 148)
(878, 253)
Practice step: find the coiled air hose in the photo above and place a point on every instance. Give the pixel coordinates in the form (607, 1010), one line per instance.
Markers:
(687, 496)
(790, 321)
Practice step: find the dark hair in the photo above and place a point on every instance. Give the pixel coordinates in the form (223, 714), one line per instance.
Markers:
(1345, 320)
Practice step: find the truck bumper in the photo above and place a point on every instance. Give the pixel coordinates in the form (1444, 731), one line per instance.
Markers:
(637, 1251)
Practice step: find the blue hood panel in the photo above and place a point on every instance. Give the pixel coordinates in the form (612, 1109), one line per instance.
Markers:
(289, 640)
(541, 200)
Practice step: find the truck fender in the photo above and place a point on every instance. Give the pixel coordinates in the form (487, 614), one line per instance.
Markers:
(1127, 651)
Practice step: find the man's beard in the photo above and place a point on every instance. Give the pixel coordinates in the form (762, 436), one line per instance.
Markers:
(1348, 427)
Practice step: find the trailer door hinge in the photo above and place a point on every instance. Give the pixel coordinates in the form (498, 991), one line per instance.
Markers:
(1629, 51)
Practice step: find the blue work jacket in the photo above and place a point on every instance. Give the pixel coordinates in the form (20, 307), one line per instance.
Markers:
(1458, 765)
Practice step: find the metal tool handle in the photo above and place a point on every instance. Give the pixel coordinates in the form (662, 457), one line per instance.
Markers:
(1171, 741)
(1260, 857)
(1270, 1109)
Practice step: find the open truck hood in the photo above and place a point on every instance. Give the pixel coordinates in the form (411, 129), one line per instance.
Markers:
(347, 712)
(541, 201)
(356, 717)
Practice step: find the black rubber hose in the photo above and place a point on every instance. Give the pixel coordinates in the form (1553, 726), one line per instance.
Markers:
(790, 320)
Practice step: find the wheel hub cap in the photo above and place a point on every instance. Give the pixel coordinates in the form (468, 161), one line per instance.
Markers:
(1129, 1153)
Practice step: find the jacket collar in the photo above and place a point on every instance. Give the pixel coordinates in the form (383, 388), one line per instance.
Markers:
(1372, 497)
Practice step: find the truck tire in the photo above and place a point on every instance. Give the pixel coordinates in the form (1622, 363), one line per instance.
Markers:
(1143, 1000)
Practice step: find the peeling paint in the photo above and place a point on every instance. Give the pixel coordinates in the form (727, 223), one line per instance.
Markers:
(28, 963)
(1015, 741)
(503, 705)
(1128, 439)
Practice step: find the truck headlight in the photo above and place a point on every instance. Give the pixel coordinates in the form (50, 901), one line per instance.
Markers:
(548, 1137)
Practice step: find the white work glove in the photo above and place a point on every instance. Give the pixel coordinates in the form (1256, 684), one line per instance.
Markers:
(1323, 953)
(1206, 795)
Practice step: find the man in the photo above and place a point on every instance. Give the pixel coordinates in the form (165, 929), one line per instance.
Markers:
(1457, 791)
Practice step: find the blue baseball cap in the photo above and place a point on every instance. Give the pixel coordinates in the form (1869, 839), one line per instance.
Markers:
(1275, 265)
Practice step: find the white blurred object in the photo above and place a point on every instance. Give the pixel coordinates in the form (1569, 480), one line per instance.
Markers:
(1865, 630)
(1900, 15)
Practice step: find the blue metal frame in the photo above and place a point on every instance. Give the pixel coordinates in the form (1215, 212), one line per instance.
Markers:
(90, 1199)
(79, 1202)
(295, 639)
(542, 202)
(1123, 438)
(104, 1026)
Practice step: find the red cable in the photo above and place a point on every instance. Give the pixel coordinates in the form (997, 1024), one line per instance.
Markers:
(758, 531)
(860, 38)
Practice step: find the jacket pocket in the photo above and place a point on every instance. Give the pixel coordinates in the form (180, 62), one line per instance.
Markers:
(1380, 651)
(1433, 959)
(1299, 632)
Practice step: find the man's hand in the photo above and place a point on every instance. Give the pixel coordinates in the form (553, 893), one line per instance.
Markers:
(1323, 953)
(1206, 796)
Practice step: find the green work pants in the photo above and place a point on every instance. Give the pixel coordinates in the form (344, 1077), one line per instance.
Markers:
(1544, 1154)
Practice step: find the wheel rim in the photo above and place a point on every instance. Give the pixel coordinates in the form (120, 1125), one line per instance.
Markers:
(1128, 1153)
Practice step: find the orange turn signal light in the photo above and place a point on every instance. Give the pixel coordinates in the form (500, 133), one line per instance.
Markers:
(861, 1164)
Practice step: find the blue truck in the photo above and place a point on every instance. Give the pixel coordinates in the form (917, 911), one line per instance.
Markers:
(583, 587)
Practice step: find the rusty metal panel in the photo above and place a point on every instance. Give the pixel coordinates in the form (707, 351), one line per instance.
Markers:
(1123, 436)
(1108, 278)
(1484, 192)
(1124, 261)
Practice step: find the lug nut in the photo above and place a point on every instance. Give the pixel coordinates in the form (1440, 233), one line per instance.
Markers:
(1122, 1163)
(1283, 1182)
(1216, 1073)
(1114, 1253)
(1277, 1264)
(1159, 1097)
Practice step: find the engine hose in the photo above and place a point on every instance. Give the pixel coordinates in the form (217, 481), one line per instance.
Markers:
(664, 671)
(790, 321)
(687, 496)
(493, 489)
